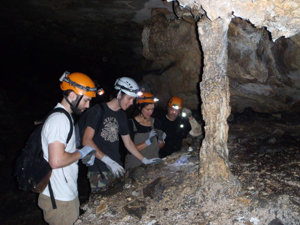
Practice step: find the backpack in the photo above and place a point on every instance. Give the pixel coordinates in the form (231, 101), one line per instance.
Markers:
(32, 170)
(81, 125)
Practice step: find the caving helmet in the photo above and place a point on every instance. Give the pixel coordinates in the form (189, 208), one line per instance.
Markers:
(175, 102)
(80, 83)
(146, 97)
(128, 86)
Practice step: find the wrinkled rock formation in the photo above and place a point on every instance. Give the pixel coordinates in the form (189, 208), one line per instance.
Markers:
(173, 51)
(262, 74)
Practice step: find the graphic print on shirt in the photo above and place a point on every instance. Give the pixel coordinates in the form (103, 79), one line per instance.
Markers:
(110, 130)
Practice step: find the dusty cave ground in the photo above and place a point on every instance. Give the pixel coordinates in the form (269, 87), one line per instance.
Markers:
(264, 153)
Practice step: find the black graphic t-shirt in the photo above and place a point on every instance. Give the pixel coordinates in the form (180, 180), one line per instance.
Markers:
(107, 137)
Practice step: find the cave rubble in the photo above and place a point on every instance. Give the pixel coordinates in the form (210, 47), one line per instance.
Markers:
(169, 193)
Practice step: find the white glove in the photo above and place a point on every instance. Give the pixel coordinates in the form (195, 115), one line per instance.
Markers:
(89, 161)
(151, 161)
(151, 135)
(113, 166)
(86, 150)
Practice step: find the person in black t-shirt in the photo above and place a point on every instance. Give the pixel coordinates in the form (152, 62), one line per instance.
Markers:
(175, 126)
(105, 138)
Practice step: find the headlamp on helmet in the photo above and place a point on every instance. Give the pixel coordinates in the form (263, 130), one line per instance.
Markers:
(80, 89)
(128, 86)
(124, 89)
(175, 103)
(147, 97)
(174, 106)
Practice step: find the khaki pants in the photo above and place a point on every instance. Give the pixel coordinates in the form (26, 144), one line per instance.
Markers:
(65, 214)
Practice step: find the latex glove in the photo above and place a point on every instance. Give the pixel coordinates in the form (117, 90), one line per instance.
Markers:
(89, 160)
(113, 166)
(187, 112)
(86, 150)
(151, 161)
(151, 135)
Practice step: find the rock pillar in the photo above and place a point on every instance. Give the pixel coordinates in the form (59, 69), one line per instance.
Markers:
(214, 166)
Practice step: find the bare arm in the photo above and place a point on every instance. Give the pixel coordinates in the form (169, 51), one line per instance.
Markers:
(88, 140)
(131, 147)
(141, 146)
(161, 144)
(58, 157)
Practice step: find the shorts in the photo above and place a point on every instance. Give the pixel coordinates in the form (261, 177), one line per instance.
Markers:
(67, 212)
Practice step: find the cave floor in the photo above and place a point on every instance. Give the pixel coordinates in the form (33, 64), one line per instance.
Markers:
(264, 153)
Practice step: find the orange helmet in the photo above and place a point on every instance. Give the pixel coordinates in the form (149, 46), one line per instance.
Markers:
(175, 102)
(80, 83)
(146, 97)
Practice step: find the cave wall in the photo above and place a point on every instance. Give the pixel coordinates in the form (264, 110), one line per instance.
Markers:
(173, 53)
(263, 74)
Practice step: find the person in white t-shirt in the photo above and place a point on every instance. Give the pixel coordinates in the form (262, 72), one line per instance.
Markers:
(78, 90)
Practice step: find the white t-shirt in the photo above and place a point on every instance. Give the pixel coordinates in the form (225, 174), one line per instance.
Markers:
(63, 180)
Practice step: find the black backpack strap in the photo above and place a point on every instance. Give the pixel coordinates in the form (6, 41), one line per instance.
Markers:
(60, 110)
(52, 196)
(100, 118)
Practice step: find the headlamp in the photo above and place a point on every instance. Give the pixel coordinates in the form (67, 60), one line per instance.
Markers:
(145, 98)
(175, 107)
(100, 91)
(139, 93)
(183, 114)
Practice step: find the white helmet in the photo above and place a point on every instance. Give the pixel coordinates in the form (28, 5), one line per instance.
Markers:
(128, 86)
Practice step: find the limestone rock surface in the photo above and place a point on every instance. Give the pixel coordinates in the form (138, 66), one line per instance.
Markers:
(263, 75)
(174, 59)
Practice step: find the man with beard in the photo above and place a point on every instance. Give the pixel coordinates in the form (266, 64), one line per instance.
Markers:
(175, 126)
(78, 90)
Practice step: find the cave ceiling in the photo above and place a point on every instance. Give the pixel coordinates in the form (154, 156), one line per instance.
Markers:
(109, 39)
(101, 37)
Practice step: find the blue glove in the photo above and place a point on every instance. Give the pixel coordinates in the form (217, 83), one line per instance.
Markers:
(151, 161)
(162, 138)
(151, 135)
(89, 159)
(113, 166)
(86, 150)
